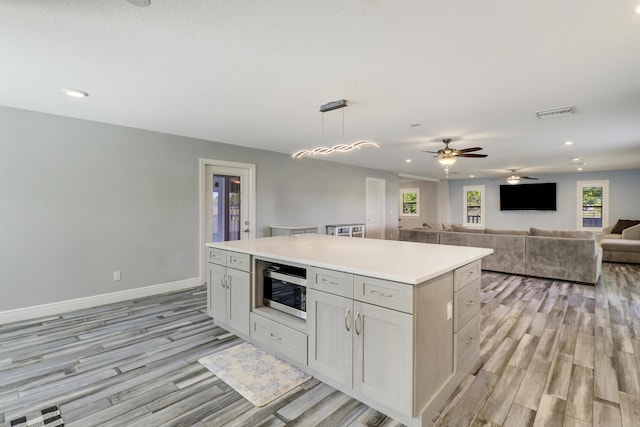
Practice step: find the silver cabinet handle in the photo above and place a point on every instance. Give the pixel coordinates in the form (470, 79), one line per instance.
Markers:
(355, 324)
(329, 282)
(347, 323)
(236, 261)
(470, 273)
(275, 337)
(381, 294)
(469, 341)
(470, 302)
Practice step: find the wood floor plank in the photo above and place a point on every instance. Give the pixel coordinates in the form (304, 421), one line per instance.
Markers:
(550, 412)
(519, 416)
(524, 351)
(559, 376)
(533, 383)
(629, 409)
(498, 404)
(580, 396)
(625, 365)
(605, 378)
(584, 351)
(605, 415)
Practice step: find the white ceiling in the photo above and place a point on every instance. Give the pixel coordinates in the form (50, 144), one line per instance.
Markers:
(254, 73)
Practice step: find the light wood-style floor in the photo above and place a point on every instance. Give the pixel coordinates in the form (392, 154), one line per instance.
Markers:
(553, 354)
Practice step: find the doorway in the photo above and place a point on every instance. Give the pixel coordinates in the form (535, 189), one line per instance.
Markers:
(375, 208)
(227, 204)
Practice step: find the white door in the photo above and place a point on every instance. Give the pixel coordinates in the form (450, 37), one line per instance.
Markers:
(227, 204)
(375, 208)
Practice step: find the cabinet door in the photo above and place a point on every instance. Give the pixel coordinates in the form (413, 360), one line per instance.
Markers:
(330, 325)
(238, 293)
(217, 304)
(383, 355)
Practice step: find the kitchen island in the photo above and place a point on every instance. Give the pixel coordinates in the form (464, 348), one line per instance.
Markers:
(393, 324)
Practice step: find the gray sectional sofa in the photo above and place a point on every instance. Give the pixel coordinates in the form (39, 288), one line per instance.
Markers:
(564, 255)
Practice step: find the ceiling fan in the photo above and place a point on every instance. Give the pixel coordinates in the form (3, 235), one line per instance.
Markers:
(514, 179)
(447, 156)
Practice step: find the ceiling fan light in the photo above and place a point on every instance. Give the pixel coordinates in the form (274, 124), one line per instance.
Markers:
(447, 160)
(513, 180)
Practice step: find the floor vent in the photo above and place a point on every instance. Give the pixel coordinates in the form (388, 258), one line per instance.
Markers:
(556, 112)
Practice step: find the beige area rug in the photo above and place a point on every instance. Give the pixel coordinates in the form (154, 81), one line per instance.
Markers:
(257, 375)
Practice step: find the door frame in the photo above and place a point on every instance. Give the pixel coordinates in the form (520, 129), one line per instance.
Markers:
(250, 168)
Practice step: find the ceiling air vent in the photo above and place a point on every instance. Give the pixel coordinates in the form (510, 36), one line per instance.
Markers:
(556, 112)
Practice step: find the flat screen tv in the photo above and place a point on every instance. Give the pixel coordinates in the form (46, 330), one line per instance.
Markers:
(528, 197)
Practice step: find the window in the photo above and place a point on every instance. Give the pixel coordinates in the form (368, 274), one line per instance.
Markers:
(473, 206)
(410, 202)
(593, 205)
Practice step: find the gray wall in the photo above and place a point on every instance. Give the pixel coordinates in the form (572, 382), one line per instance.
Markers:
(428, 203)
(82, 199)
(624, 201)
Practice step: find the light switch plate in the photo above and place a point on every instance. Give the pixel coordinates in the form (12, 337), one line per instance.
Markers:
(450, 310)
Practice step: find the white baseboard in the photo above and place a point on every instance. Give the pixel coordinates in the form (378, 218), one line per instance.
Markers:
(56, 308)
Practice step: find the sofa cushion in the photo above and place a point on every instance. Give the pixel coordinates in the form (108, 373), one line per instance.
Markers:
(621, 245)
(561, 233)
(510, 232)
(623, 224)
(460, 228)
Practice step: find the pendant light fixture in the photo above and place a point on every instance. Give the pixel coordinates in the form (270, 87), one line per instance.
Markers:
(338, 148)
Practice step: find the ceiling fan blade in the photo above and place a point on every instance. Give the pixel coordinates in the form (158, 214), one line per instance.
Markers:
(469, 150)
(432, 152)
(472, 155)
(527, 177)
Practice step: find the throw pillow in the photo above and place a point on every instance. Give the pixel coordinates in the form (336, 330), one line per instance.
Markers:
(623, 224)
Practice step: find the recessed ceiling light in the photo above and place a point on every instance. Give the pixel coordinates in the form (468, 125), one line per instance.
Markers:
(575, 159)
(568, 143)
(75, 93)
(408, 160)
(638, 10)
(579, 169)
(471, 176)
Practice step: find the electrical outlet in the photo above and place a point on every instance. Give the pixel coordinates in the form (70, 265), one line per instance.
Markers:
(116, 275)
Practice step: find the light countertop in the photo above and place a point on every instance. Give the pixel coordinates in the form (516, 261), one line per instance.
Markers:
(405, 262)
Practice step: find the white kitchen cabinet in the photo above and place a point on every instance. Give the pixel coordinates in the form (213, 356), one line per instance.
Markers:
(229, 290)
(363, 346)
(383, 355)
(330, 323)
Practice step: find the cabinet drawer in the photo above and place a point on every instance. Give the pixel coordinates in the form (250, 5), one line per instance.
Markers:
(466, 274)
(333, 282)
(239, 261)
(384, 293)
(466, 304)
(217, 256)
(467, 345)
(282, 339)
